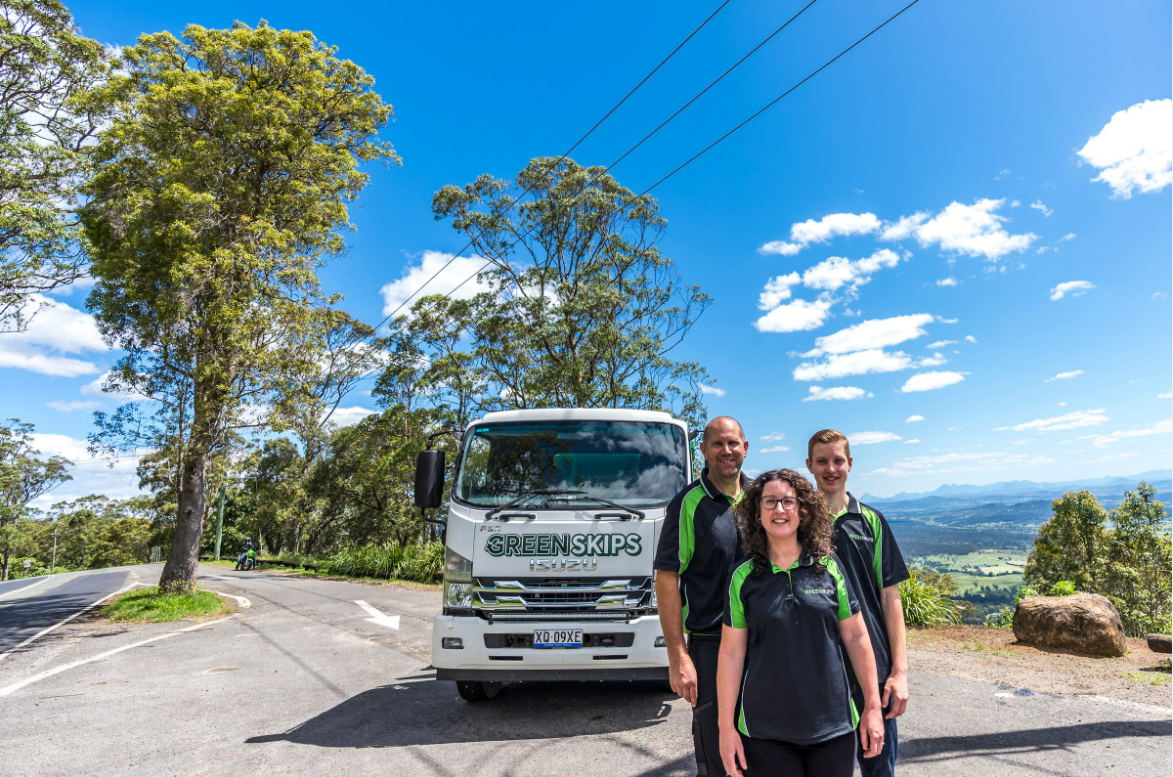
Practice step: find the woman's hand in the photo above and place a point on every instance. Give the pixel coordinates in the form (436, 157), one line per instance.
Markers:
(871, 732)
(733, 752)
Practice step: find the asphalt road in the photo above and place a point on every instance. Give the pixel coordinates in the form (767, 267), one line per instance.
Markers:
(306, 681)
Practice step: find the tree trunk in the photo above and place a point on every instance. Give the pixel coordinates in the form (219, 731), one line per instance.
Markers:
(4, 575)
(179, 573)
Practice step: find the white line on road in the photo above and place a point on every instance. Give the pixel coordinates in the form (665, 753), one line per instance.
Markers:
(61, 623)
(44, 579)
(74, 664)
(381, 619)
(239, 599)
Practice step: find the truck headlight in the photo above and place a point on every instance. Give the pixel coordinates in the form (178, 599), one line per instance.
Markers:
(456, 567)
(458, 595)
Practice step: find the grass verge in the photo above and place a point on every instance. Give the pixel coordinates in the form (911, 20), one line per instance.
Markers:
(149, 606)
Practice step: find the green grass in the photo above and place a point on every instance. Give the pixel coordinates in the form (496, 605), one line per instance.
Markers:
(150, 606)
(980, 648)
(1148, 678)
(967, 582)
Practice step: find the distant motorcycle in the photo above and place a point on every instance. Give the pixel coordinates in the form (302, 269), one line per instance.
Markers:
(249, 560)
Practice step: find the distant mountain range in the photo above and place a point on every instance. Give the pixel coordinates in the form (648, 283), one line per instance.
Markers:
(1111, 488)
(957, 519)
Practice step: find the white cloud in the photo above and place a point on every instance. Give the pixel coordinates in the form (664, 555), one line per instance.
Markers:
(930, 381)
(970, 339)
(395, 292)
(1159, 428)
(94, 389)
(871, 438)
(1073, 420)
(972, 230)
(961, 462)
(836, 272)
(774, 449)
(911, 442)
(1041, 208)
(349, 416)
(817, 393)
(875, 333)
(773, 437)
(795, 316)
(1064, 376)
(1070, 288)
(950, 281)
(938, 344)
(717, 392)
(777, 291)
(1166, 395)
(857, 363)
(1134, 150)
(117, 478)
(1062, 404)
(832, 225)
(912, 419)
(69, 407)
(55, 329)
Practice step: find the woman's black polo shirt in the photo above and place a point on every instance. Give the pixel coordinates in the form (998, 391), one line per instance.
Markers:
(795, 686)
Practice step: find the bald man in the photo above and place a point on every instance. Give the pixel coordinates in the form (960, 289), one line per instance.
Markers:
(698, 549)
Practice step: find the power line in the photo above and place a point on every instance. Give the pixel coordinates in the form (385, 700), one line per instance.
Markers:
(753, 116)
(554, 164)
(771, 104)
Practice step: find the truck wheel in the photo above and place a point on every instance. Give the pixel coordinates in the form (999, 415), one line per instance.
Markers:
(472, 690)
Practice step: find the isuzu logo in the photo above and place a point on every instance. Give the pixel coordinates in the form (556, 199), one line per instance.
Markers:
(563, 564)
(563, 544)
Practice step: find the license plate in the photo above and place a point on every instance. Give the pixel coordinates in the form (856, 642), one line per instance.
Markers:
(548, 638)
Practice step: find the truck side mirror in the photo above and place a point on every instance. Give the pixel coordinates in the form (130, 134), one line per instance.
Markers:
(429, 479)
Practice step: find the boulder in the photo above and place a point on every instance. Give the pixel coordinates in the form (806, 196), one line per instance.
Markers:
(1084, 623)
(1160, 643)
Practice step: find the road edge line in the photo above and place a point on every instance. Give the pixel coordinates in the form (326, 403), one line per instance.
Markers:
(8, 690)
(59, 624)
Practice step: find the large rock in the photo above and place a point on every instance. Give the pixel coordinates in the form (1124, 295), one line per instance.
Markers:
(1085, 623)
(1160, 643)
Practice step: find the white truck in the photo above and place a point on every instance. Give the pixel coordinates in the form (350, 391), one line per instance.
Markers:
(550, 533)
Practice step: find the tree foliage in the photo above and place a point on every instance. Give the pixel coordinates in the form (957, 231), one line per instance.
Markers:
(25, 475)
(220, 186)
(1069, 545)
(1124, 556)
(46, 67)
(577, 307)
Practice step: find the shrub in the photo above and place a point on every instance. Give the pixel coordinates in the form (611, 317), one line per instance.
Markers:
(925, 605)
(421, 563)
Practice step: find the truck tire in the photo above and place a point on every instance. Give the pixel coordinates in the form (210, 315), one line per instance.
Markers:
(474, 690)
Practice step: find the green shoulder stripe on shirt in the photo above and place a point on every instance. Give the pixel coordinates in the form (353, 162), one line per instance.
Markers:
(687, 527)
(736, 607)
(877, 547)
(840, 589)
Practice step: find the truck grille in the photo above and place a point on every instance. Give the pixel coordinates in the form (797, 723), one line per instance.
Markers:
(551, 597)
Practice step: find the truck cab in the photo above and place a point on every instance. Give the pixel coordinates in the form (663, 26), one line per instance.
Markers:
(551, 528)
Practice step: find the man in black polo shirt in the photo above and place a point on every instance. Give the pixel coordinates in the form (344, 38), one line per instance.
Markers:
(872, 562)
(698, 550)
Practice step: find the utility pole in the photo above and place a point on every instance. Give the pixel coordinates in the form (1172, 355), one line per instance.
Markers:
(219, 521)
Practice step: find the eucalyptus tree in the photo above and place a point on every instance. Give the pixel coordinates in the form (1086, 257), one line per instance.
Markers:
(575, 307)
(25, 475)
(46, 69)
(220, 186)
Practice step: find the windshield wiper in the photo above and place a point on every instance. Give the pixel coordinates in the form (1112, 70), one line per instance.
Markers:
(525, 496)
(583, 495)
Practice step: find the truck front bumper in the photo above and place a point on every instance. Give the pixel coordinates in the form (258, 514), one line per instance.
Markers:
(635, 656)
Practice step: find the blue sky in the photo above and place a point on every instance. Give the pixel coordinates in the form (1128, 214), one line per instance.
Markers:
(953, 244)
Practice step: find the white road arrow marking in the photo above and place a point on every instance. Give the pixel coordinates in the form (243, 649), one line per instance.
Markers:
(378, 618)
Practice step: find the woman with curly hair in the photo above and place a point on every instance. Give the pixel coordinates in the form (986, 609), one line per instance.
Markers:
(783, 698)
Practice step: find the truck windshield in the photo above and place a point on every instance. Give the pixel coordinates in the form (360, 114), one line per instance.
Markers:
(639, 464)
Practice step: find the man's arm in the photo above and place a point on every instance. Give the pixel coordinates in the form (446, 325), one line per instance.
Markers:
(896, 686)
(681, 672)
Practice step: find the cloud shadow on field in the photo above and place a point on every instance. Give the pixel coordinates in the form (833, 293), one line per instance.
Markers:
(930, 749)
(420, 711)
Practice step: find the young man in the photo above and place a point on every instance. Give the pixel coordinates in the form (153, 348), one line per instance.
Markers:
(698, 549)
(871, 560)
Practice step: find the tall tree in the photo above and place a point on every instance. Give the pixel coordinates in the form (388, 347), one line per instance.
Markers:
(1068, 546)
(578, 307)
(220, 186)
(24, 475)
(1136, 562)
(45, 67)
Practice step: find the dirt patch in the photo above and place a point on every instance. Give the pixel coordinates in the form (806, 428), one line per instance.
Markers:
(993, 654)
